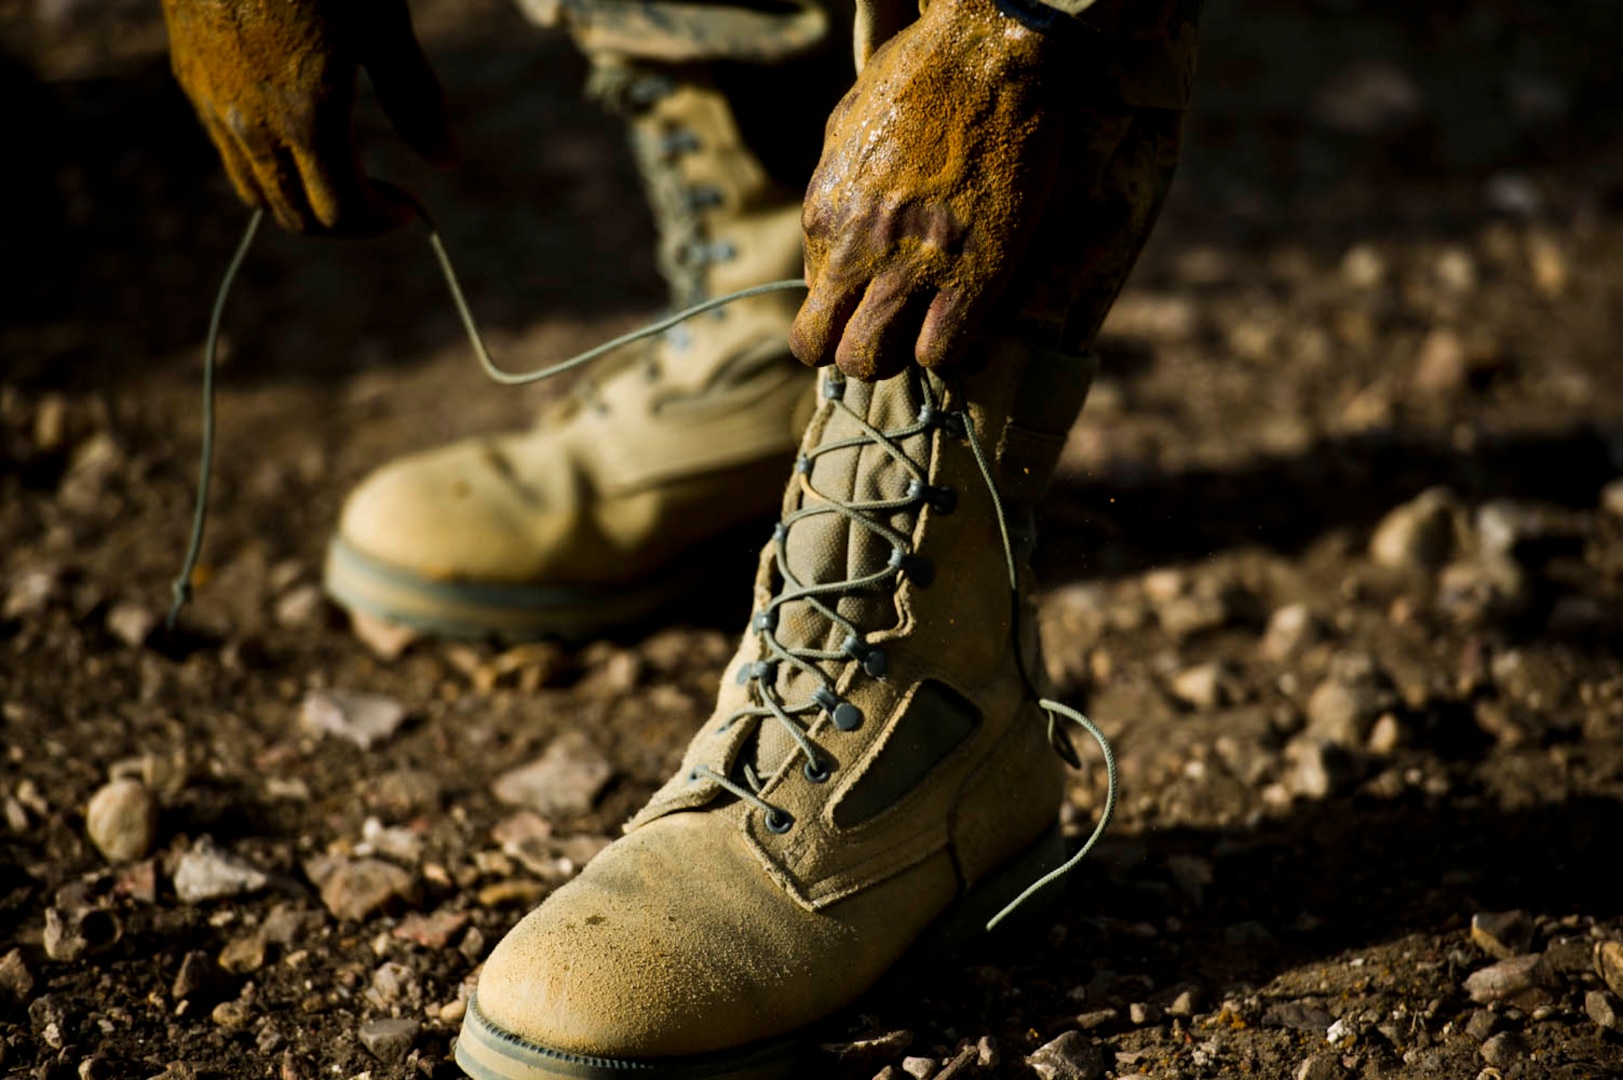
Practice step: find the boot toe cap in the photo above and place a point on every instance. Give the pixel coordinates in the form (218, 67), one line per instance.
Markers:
(449, 514)
(646, 957)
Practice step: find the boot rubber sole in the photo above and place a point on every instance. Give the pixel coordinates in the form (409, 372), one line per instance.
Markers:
(475, 610)
(486, 1052)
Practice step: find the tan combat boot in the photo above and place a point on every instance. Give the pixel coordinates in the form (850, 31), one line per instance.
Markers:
(877, 768)
(591, 519)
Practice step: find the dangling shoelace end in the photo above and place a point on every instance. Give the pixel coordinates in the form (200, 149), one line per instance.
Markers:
(1057, 710)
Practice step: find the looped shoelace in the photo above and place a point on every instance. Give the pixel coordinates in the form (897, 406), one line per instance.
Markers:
(815, 595)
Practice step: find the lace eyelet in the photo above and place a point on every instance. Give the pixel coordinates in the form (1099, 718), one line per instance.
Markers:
(778, 821)
(815, 773)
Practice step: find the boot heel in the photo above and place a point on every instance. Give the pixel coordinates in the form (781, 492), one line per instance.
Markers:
(963, 927)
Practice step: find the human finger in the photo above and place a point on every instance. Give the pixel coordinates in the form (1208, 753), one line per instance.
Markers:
(237, 167)
(949, 323)
(277, 176)
(876, 340)
(822, 317)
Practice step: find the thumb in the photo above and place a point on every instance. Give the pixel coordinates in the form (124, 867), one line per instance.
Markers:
(407, 87)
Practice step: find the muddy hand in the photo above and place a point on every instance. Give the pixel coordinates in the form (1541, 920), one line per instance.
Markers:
(274, 84)
(935, 169)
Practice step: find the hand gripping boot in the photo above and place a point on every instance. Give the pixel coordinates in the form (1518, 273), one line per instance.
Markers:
(877, 767)
(591, 520)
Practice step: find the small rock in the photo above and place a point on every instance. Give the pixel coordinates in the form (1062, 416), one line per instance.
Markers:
(301, 606)
(1504, 1049)
(361, 718)
(232, 1014)
(1297, 1017)
(243, 955)
(293, 1066)
(1421, 534)
(197, 976)
(1362, 267)
(287, 924)
(1611, 498)
(387, 640)
(889, 1072)
(122, 820)
(1201, 686)
(96, 1067)
(1097, 1018)
(431, 931)
(961, 1065)
(1441, 370)
(404, 792)
(1502, 934)
(50, 424)
(528, 838)
(400, 844)
(268, 1041)
(393, 985)
(535, 663)
(16, 981)
(1387, 736)
(29, 593)
(1072, 1056)
(473, 945)
(1548, 264)
(1603, 1008)
(920, 1068)
(1523, 981)
(1318, 768)
(1292, 630)
(1481, 590)
(452, 1012)
(1320, 1067)
(1183, 617)
(987, 1053)
(563, 782)
(131, 623)
(356, 889)
(164, 775)
(871, 1048)
(389, 1040)
(1185, 1003)
(81, 931)
(518, 892)
(1343, 712)
(1481, 1024)
(1143, 1012)
(206, 872)
(1609, 965)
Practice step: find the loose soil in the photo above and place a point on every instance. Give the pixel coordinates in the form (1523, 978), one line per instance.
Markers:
(1393, 262)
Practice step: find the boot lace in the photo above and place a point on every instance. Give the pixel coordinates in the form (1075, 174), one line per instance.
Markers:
(865, 514)
(822, 597)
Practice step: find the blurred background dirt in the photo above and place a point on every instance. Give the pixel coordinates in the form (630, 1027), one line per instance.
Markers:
(1336, 559)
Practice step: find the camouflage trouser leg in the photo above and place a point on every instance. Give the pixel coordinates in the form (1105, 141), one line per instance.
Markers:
(782, 66)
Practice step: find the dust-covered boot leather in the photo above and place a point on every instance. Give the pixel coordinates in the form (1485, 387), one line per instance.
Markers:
(602, 513)
(877, 767)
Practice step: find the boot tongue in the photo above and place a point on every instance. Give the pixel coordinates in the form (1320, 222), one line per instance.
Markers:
(825, 548)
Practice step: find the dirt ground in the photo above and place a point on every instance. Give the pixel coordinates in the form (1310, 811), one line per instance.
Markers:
(1333, 559)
